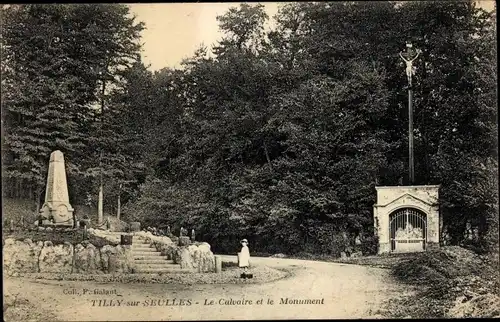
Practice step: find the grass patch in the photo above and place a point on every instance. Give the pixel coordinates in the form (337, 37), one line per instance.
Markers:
(16, 209)
(452, 282)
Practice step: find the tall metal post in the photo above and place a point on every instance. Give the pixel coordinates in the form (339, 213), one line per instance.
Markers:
(409, 57)
(411, 167)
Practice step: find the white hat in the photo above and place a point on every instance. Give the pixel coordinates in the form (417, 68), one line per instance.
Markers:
(244, 241)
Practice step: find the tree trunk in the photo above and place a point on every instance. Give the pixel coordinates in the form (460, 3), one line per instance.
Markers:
(38, 196)
(267, 155)
(118, 205)
(18, 188)
(100, 216)
(21, 189)
(7, 188)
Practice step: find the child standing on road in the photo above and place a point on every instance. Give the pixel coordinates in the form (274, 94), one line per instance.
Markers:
(244, 255)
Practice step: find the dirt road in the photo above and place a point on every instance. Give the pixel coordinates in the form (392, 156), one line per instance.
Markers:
(315, 290)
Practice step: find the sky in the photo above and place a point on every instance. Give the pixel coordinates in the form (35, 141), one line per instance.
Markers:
(175, 30)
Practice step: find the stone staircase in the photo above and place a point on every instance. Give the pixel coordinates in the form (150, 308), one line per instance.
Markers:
(148, 260)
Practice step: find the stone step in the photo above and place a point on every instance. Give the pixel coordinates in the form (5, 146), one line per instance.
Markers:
(165, 264)
(156, 266)
(162, 270)
(147, 257)
(143, 249)
(145, 246)
(160, 261)
(147, 253)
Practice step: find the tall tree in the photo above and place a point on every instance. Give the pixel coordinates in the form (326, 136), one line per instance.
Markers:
(58, 60)
(46, 96)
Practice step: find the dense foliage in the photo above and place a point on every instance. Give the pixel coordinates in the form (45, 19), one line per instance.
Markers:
(59, 64)
(278, 136)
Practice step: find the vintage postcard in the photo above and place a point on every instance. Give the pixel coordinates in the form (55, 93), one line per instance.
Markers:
(249, 161)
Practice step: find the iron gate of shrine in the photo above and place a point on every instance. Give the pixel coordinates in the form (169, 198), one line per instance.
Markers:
(408, 230)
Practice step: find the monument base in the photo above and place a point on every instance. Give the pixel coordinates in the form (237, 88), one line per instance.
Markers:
(57, 214)
(49, 223)
(66, 224)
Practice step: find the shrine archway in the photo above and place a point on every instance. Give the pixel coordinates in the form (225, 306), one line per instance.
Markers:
(408, 230)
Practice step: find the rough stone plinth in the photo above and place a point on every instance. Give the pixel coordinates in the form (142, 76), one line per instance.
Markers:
(218, 264)
(184, 241)
(57, 210)
(135, 226)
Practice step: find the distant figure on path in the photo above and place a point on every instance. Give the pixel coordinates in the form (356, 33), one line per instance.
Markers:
(193, 235)
(244, 255)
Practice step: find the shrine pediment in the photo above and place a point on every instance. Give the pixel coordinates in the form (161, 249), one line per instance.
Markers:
(407, 199)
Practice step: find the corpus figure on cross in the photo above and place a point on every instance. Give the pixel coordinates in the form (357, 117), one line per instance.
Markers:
(409, 61)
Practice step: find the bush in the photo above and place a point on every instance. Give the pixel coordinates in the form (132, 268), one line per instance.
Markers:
(369, 245)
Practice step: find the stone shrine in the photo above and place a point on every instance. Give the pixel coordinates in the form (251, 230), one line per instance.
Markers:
(56, 210)
(407, 218)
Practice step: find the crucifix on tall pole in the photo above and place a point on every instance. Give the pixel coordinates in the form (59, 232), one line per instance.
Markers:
(409, 56)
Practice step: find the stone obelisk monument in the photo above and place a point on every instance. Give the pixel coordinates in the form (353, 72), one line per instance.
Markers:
(56, 209)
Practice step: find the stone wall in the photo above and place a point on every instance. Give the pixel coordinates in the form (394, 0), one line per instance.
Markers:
(197, 256)
(44, 257)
